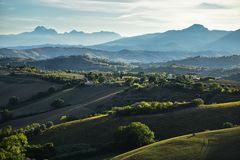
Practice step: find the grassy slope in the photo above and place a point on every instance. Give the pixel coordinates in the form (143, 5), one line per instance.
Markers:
(23, 87)
(171, 94)
(212, 145)
(73, 96)
(85, 101)
(99, 131)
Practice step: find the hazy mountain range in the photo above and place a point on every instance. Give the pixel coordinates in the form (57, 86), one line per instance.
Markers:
(193, 38)
(42, 35)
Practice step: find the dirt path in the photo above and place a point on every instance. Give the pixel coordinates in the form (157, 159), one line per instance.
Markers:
(56, 114)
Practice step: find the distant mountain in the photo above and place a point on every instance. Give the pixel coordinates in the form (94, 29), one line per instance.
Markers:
(230, 42)
(41, 35)
(192, 38)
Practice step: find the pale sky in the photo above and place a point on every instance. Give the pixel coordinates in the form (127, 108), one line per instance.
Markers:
(126, 17)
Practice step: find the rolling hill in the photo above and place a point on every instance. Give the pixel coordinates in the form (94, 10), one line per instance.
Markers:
(119, 56)
(129, 56)
(164, 125)
(209, 62)
(215, 145)
(79, 63)
(22, 87)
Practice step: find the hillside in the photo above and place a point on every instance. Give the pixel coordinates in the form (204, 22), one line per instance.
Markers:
(80, 103)
(164, 125)
(42, 35)
(79, 63)
(76, 63)
(215, 145)
(23, 87)
(209, 62)
(129, 56)
(119, 56)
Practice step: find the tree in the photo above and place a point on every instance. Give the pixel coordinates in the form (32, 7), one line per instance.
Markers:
(199, 87)
(49, 124)
(13, 147)
(152, 79)
(57, 103)
(41, 151)
(6, 115)
(134, 135)
(101, 79)
(143, 79)
(197, 102)
(13, 101)
(228, 125)
(51, 90)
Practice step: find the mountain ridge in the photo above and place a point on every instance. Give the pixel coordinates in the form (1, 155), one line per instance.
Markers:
(193, 38)
(42, 35)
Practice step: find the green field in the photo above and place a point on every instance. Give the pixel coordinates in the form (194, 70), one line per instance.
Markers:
(211, 145)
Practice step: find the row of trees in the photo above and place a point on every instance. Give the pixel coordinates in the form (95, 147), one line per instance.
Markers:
(154, 107)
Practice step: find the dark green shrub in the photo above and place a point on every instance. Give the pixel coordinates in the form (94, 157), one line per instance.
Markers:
(13, 101)
(51, 90)
(152, 79)
(134, 135)
(43, 127)
(6, 131)
(6, 115)
(57, 103)
(37, 131)
(49, 124)
(228, 125)
(41, 151)
(197, 102)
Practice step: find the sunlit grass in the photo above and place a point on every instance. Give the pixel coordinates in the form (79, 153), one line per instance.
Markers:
(79, 121)
(211, 144)
(227, 104)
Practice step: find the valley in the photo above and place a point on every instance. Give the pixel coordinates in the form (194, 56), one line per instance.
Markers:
(97, 95)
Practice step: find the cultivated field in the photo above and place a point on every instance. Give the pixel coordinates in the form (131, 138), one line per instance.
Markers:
(22, 87)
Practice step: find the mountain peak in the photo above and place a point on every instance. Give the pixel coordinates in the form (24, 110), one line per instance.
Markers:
(197, 27)
(76, 32)
(42, 30)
